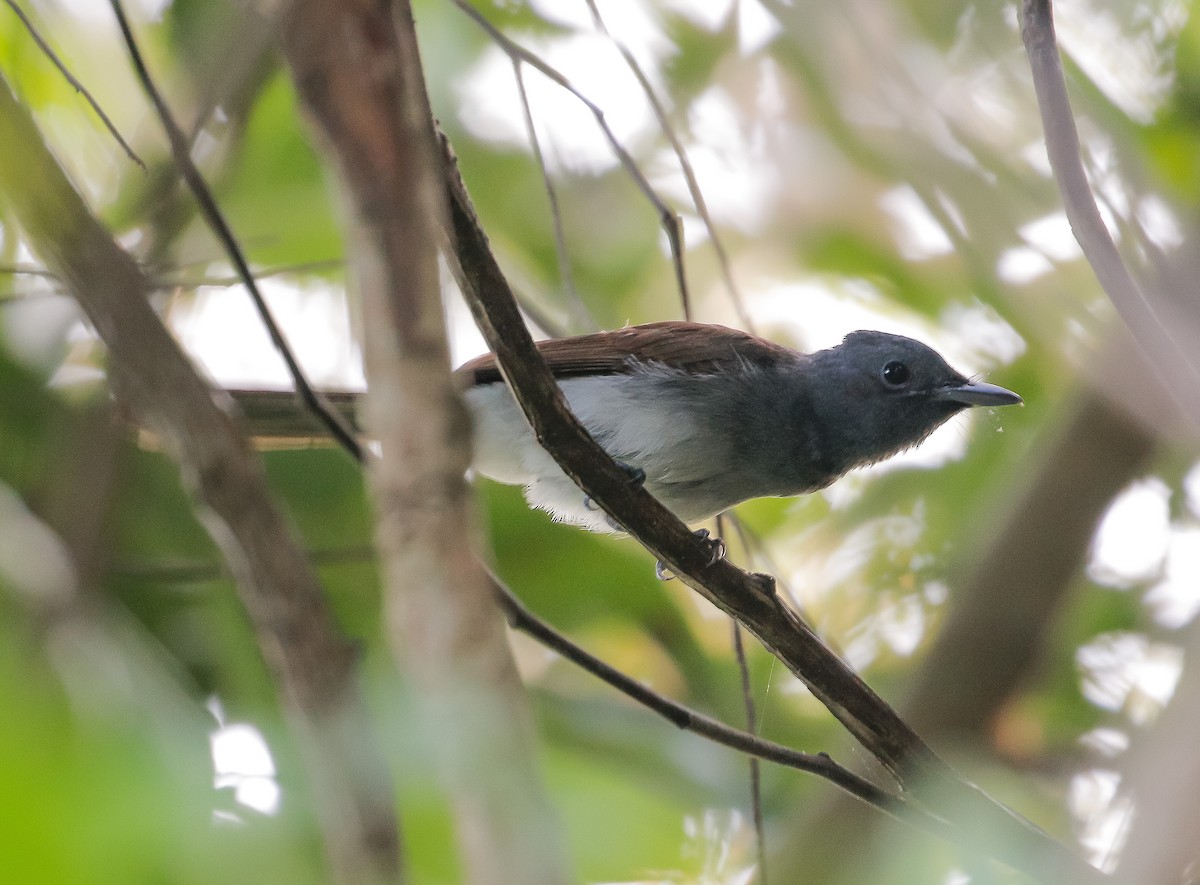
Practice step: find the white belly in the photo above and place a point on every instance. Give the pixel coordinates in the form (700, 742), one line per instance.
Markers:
(618, 412)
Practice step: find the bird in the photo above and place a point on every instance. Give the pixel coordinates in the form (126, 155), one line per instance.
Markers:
(708, 416)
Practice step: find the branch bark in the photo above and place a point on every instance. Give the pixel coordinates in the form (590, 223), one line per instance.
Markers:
(358, 73)
(309, 658)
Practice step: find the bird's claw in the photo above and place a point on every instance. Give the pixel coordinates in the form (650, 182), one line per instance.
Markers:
(714, 546)
(637, 478)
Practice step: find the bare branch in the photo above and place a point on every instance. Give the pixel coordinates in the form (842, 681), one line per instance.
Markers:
(666, 216)
(582, 314)
(743, 663)
(520, 618)
(685, 166)
(756, 801)
(261, 273)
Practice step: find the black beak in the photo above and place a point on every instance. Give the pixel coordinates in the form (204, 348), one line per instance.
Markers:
(979, 393)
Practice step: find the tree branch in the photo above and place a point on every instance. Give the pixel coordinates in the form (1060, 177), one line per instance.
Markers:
(820, 764)
(667, 217)
(75, 84)
(749, 598)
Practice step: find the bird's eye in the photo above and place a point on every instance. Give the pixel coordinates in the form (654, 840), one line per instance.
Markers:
(896, 373)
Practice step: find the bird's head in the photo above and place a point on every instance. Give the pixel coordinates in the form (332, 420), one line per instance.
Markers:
(880, 394)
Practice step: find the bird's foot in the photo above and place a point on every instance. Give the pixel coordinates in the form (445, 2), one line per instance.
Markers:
(637, 478)
(715, 548)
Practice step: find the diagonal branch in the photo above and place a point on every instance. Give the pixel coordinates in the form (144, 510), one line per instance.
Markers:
(520, 618)
(75, 84)
(749, 598)
(580, 314)
(685, 167)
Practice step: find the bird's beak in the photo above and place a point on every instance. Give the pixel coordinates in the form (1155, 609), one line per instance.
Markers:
(979, 393)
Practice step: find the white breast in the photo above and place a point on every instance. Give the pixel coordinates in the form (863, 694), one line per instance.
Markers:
(624, 415)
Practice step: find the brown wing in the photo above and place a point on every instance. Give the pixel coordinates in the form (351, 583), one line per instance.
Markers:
(696, 346)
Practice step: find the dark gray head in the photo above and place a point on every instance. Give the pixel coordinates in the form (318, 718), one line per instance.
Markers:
(877, 394)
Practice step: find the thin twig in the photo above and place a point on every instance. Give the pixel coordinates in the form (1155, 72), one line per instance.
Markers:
(760, 557)
(666, 216)
(520, 618)
(28, 270)
(216, 220)
(75, 84)
(167, 282)
(186, 571)
(685, 166)
(10, 298)
(583, 315)
(15, 296)
(756, 801)
(743, 664)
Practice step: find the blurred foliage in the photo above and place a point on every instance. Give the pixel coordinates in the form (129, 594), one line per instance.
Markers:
(809, 124)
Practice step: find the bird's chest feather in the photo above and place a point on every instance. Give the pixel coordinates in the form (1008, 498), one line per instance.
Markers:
(654, 421)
